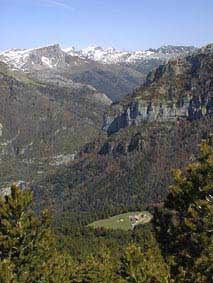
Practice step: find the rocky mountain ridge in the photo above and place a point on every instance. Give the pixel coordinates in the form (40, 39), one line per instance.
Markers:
(39, 58)
(111, 55)
(180, 89)
(54, 56)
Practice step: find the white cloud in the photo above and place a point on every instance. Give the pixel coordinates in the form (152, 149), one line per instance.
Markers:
(57, 3)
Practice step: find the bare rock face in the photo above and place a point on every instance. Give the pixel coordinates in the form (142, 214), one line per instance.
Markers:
(181, 89)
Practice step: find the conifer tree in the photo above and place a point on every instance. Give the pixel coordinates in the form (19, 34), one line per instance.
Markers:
(28, 251)
(189, 244)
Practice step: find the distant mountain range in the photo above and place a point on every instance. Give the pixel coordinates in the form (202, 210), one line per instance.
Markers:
(109, 71)
(54, 57)
(113, 56)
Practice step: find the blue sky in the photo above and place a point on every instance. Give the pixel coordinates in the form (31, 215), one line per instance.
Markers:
(124, 24)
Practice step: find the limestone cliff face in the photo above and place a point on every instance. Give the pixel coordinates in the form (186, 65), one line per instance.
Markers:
(181, 89)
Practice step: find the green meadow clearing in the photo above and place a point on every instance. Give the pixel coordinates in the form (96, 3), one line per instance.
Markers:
(122, 221)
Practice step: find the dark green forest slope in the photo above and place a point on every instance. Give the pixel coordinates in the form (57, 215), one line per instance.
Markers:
(175, 248)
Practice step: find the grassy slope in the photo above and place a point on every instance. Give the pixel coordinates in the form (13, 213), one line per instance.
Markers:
(116, 222)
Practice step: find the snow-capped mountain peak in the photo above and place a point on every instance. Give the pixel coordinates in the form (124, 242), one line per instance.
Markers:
(110, 55)
(54, 57)
(46, 56)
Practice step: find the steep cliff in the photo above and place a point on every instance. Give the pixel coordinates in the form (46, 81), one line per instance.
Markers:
(181, 89)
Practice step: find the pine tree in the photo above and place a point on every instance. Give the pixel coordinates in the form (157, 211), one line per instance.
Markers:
(189, 245)
(28, 251)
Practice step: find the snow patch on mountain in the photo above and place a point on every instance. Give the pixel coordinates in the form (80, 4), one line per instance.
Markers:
(47, 61)
(15, 57)
(54, 57)
(111, 55)
(37, 58)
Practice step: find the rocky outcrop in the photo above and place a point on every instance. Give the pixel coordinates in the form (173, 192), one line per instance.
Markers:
(181, 89)
(120, 147)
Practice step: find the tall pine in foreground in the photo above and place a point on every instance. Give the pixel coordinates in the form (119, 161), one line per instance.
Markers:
(185, 228)
(27, 247)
